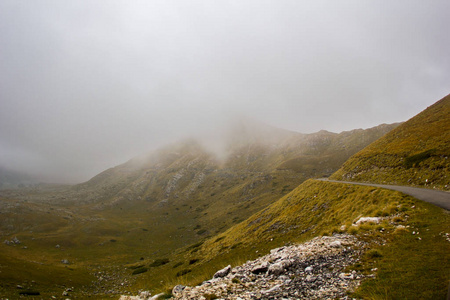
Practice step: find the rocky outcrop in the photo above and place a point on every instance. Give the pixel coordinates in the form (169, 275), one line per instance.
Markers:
(314, 270)
(375, 220)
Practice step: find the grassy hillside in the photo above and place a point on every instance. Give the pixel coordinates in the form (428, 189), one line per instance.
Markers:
(415, 153)
(151, 206)
(318, 208)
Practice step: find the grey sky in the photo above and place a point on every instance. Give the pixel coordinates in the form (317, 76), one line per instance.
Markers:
(86, 85)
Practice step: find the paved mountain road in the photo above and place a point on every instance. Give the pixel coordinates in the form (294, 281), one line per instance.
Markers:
(438, 198)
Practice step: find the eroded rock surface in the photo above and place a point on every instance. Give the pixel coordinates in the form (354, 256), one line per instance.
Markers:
(313, 270)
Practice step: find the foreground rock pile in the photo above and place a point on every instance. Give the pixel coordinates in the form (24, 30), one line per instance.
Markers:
(313, 270)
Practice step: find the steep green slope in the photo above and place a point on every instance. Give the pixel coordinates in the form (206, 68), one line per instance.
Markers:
(415, 153)
(316, 208)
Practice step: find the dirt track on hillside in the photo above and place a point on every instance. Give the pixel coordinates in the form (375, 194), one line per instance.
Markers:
(438, 198)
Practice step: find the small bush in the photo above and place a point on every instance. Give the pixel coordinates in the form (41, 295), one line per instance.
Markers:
(367, 226)
(393, 209)
(210, 296)
(236, 245)
(397, 219)
(414, 160)
(139, 271)
(353, 230)
(159, 262)
(195, 250)
(336, 230)
(374, 253)
(400, 230)
(404, 208)
(135, 267)
(183, 272)
(219, 239)
(201, 231)
(196, 245)
(29, 293)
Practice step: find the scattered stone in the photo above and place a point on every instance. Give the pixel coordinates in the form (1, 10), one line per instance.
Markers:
(65, 261)
(178, 289)
(313, 270)
(336, 244)
(261, 268)
(375, 220)
(276, 269)
(222, 273)
(346, 276)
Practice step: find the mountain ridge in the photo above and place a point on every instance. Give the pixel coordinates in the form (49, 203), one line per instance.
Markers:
(415, 153)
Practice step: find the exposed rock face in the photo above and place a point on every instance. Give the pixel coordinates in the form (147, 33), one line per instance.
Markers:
(222, 273)
(313, 270)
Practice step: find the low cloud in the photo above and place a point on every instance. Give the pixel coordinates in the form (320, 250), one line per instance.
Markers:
(87, 85)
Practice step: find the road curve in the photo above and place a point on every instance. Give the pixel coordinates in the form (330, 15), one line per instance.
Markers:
(438, 198)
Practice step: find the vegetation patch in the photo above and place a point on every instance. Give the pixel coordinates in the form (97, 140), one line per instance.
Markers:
(219, 239)
(29, 293)
(373, 253)
(210, 296)
(183, 272)
(414, 160)
(139, 271)
(159, 262)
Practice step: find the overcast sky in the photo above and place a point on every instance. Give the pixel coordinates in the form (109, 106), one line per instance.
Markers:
(86, 85)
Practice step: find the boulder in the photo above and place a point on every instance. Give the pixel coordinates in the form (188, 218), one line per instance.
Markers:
(336, 244)
(178, 289)
(261, 268)
(276, 269)
(223, 272)
(375, 220)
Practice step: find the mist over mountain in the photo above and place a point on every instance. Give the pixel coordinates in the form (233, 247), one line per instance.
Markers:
(179, 213)
(89, 85)
(12, 179)
(144, 145)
